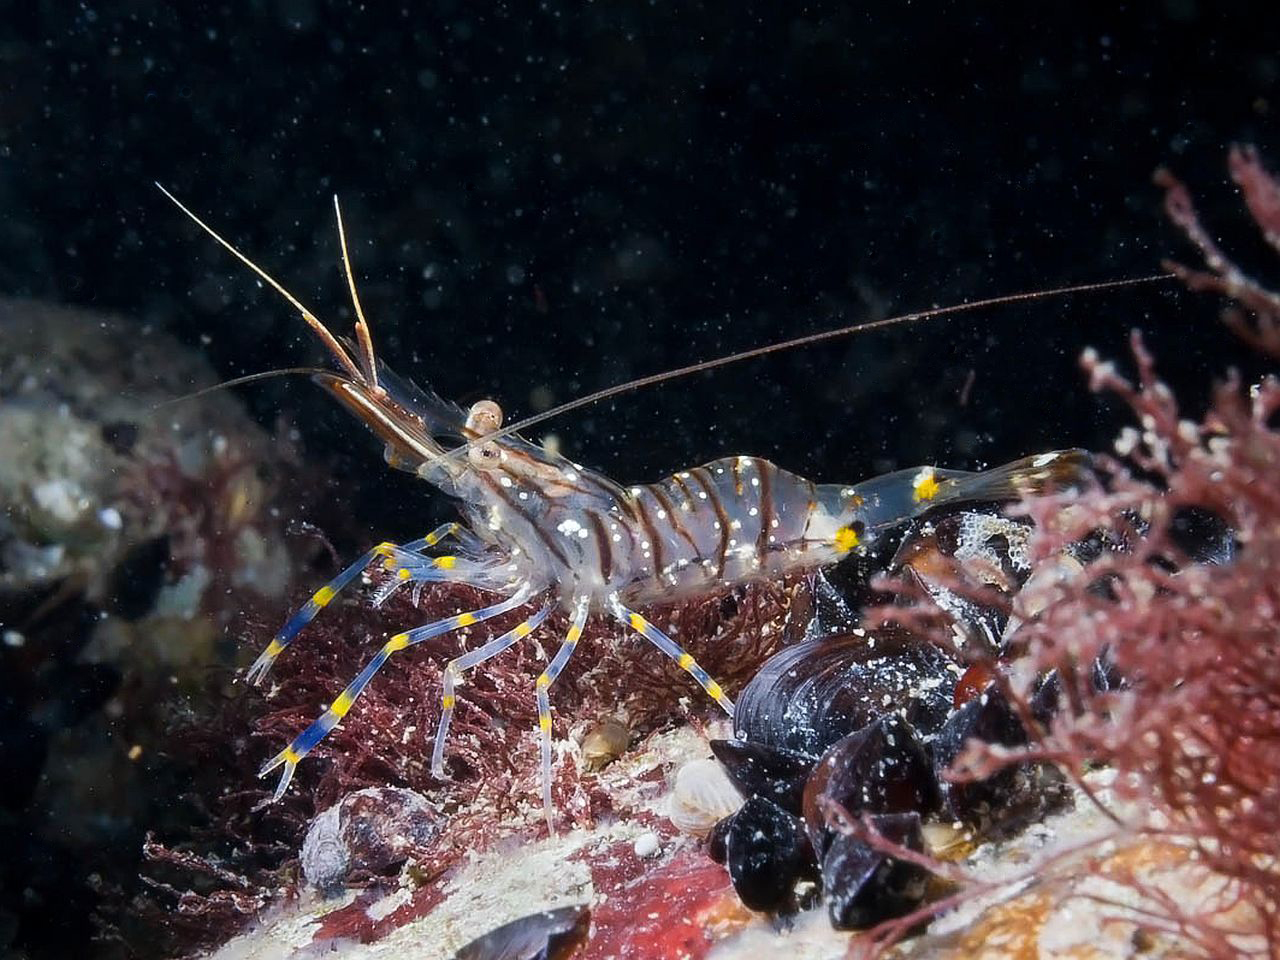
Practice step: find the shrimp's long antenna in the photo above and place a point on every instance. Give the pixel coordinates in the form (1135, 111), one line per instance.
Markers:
(803, 341)
(241, 381)
(363, 338)
(330, 341)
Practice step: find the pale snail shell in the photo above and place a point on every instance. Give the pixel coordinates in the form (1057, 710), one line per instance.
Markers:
(701, 797)
(604, 743)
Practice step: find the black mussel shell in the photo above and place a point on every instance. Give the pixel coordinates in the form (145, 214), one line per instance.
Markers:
(718, 839)
(988, 718)
(863, 886)
(882, 768)
(808, 696)
(849, 581)
(767, 853)
(550, 935)
(757, 770)
(1203, 536)
(1045, 698)
(1106, 675)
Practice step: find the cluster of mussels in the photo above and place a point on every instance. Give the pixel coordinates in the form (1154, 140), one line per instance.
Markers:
(866, 723)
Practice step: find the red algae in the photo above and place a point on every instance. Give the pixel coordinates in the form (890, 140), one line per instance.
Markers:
(355, 922)
(382, 739)
(1255, 317)
(351, 922)
(1160, 638)
(1194, 731)
(1180, 604)
(680, 909)
(491, 756)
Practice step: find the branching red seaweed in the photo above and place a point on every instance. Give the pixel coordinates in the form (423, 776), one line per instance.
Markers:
(1194, 734)
(1187, 619)
(491, 756)
(1256, 316)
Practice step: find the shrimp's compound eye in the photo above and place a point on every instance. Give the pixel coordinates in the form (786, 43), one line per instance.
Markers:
(485, 416)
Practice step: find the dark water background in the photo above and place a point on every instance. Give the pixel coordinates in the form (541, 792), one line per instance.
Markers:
(547, 199)
(555, 198)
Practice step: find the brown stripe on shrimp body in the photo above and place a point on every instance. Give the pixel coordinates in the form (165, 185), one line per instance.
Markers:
(540, 533)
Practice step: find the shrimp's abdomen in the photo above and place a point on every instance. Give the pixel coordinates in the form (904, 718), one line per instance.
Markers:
(728, 521)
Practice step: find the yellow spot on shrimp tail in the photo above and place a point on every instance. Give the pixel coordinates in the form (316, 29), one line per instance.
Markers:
(846, 539)
(925, 486)
(638, 622)
(323, 596)
(384, 549)
(403, 573)
(290, 755)
(398, 642)
(544, 722)
(466, 619)
(273, 650)
(446, 563)
(342, 704)
(686, 661)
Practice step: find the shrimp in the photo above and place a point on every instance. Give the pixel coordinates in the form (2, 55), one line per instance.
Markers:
(539, 531)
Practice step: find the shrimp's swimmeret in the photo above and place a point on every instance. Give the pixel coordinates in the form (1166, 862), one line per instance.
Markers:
(541, 532)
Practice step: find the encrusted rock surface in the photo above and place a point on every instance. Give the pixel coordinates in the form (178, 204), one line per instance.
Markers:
(133, 535)
(679, 903)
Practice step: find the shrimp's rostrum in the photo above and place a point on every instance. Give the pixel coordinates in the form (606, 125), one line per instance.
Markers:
(540, 531)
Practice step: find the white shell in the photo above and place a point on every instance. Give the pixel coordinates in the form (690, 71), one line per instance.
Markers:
(701, 796)
(325, 858)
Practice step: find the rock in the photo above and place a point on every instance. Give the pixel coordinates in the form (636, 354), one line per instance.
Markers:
(369, 831)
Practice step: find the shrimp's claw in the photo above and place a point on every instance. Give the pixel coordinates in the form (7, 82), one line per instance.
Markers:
(324, 596)
(256, 673)
(289, 758)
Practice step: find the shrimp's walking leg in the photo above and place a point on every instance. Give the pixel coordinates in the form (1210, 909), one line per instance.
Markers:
(580, 608)
(465, 662)
(306, 741)
(293, 626)
(674, 651)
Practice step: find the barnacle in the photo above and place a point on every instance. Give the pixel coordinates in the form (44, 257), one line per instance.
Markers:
(701, 796)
